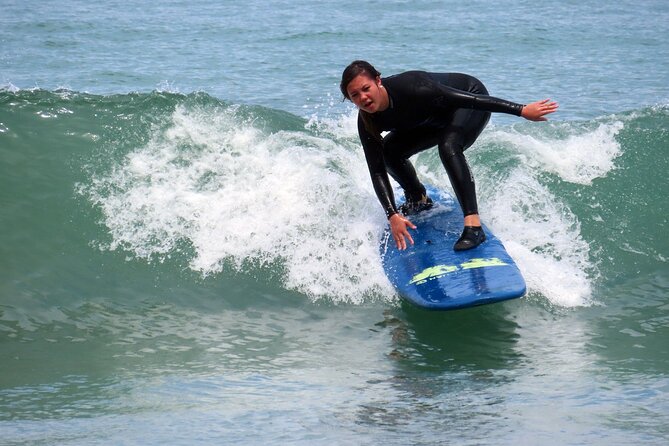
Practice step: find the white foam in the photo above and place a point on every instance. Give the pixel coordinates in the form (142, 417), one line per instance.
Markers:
(543, 236)
(577, 155)
(538, 229)
(242, 197)
(337, 125)
(9, 87)
(166, 86)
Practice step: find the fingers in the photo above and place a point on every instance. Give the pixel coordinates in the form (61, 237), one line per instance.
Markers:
(400, 233)
(537, 110)
(401, 241)
(547, 106)
(408, 236)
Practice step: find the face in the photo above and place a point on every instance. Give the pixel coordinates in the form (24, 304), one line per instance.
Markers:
(367, 94)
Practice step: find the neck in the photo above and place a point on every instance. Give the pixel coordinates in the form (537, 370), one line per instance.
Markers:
(385, 99)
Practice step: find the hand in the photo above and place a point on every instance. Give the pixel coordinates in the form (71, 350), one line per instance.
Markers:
(399, 231)
(536, 110)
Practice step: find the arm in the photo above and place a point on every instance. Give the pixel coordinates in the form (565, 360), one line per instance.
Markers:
(535, 111)
(373, 148)
(450, 97)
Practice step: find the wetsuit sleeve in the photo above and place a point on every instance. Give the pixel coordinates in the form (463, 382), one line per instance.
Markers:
(450, 97)
(373, 148)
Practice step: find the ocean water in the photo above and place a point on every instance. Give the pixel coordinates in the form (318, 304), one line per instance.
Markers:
(189, 236)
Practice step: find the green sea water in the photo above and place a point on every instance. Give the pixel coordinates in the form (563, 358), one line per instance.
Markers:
(189, 237)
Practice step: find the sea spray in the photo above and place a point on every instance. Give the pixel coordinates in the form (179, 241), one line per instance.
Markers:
(238, 195)
(229, 188)
(519, 198)
(576, 153)
(543, 236)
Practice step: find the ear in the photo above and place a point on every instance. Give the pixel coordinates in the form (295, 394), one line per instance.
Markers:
(378, 81)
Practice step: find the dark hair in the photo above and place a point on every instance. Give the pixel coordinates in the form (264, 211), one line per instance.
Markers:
(356, 68)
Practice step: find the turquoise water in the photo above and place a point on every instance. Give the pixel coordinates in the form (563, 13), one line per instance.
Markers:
(188, 243)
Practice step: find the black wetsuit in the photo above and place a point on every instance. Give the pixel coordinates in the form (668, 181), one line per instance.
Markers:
(448, 110)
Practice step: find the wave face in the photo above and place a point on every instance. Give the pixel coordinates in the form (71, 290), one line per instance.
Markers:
(188, 232)
(194, 184)
(178, 257)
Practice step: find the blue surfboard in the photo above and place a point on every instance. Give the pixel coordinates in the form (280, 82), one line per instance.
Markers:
(432, 275)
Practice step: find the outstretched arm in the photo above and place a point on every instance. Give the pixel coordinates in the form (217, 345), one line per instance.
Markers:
(536, 110)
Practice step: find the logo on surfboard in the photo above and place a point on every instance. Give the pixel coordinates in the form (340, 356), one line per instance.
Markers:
(437, 271)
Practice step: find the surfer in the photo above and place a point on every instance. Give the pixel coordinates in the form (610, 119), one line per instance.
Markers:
(420, 110)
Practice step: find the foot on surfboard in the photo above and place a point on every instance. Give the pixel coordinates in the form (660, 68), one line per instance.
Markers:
(471, 237)
(415, 206)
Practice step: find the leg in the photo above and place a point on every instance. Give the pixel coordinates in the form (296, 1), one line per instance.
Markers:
(466, 126)
(453, 158)
(397, 148)
(460, 135)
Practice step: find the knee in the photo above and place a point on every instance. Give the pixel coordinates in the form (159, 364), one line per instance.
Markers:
(451, 146)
